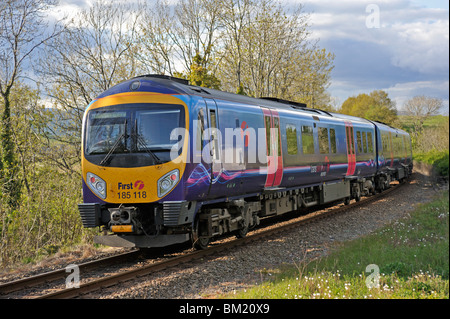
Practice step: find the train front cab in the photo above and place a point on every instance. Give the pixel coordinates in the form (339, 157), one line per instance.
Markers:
(127, 167)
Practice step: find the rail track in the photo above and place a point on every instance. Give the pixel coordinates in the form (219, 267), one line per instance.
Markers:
(165, 263)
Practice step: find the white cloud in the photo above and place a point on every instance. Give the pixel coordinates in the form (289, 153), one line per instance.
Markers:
(401, 92)
(421, 46)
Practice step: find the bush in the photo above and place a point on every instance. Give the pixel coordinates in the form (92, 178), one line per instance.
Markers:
(439, 159)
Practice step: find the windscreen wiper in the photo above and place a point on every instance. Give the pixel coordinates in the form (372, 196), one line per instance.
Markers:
(107, 159)
(143, 144)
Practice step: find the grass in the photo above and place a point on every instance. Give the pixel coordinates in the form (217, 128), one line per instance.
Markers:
(433, 121)
(411, 256)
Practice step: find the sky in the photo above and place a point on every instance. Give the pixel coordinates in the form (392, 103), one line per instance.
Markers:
(399, 46)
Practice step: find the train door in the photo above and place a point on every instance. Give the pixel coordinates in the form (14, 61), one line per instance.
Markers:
(351, 156)
(273, 143)
(214, 142)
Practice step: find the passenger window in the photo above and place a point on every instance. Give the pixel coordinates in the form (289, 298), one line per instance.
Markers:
(307, 140)
(215, 137)
(358, 138)
(276, 126)
(370, 142)
(291, 137)
(200, 129)
(323, 140)
(333, 140)
(364, 139)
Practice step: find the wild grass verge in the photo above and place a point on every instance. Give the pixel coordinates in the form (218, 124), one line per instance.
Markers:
(407, 259)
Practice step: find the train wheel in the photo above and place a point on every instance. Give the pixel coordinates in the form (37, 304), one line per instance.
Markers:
(199, 242)
(357, 193)
(242, 232)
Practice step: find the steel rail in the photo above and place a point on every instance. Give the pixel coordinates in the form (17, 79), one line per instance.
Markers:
(175, 261)
(33, 281)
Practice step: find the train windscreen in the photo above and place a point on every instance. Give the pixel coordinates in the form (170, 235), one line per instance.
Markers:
(132, 129)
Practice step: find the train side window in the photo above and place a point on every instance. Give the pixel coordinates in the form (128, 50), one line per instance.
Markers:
(212, 116)
(333, 140)
(268, 140)
(364, 139)
(370, 142)
(276, 126)
(323, 140)
(307, 139)
(358, 138)
(291, 137)
(200, 129)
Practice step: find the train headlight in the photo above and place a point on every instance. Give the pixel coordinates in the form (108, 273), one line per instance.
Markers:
(97, 185)
(168, 182)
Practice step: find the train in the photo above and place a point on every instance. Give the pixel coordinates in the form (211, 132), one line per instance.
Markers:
(165, 162)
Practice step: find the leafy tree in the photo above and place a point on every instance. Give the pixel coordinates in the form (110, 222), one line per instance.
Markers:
(21, 25)
(92, 54)
(376, 106)
(421, 108)
(266, 51)
(200, 76)
(174, 35)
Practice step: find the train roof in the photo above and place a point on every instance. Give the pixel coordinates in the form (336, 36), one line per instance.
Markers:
(172, 85)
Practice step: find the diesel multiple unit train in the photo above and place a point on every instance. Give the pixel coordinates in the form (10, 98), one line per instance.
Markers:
(165, 162)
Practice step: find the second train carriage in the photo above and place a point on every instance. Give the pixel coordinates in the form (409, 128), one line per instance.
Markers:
(164, 162)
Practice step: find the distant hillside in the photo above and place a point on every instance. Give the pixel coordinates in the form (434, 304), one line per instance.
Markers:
(434, 121)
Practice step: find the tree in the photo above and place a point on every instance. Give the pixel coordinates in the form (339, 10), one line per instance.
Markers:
(376, 106)
(420, 108)
(174, 35)
(200, 76)
(92, 54)
(266, 51)
(235, 19)
(21, 25)
(313, 79)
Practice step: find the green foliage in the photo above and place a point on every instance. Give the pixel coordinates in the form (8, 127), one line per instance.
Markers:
(45, 216)
(432, 136)
(439, 159)
(46, 220)
(376, 106)
(199, 74)
(241, 90)
(10, 188)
